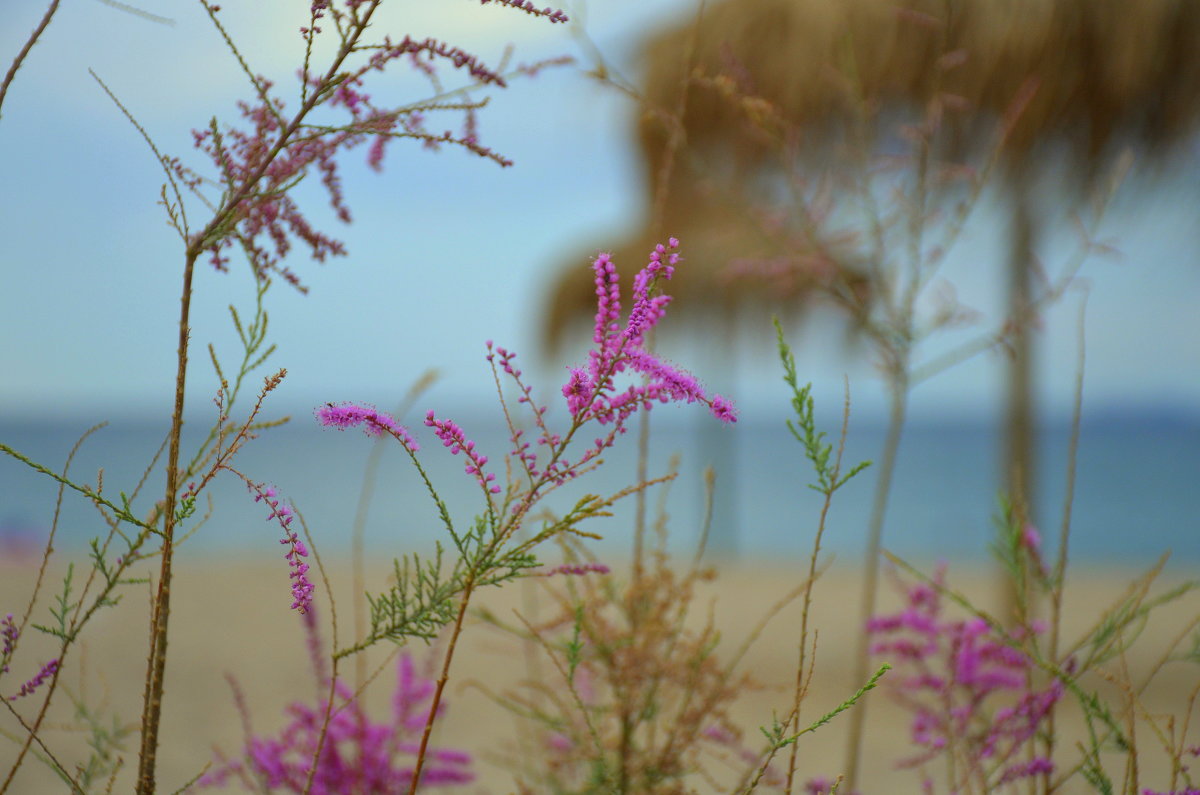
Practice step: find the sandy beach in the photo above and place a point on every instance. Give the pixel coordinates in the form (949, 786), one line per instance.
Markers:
(233, 616)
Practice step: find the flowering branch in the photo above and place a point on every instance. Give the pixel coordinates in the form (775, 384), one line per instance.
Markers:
(591, 395)
(47, 670)
(528, 7)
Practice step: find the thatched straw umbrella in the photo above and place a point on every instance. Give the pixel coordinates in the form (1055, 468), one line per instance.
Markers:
(1106, 75)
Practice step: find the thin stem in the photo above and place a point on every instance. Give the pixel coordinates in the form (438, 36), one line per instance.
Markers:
(1020, 460)
(358, 529)
(639, 505)
(333, 669)
(31, 735)
(1060, 565)
(441, 684)
(801, 684)
(357, 552)
(24, 53)
(870, 574)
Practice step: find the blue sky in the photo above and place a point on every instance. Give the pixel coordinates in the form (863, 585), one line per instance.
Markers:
(447, 250)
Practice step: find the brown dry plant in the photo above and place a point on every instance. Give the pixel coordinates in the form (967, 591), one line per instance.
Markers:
(638, 698)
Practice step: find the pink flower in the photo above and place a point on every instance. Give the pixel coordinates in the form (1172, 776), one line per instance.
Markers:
(966, 682)
(577, 570)
(374, 422)
(47, 670)
(453, 438)
(529, 8)
(592, 394)
(282, 513)
(723, 410)
(359, 755)
(1031, 538)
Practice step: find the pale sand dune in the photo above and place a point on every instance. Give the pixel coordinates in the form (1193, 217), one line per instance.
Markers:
(233, 616)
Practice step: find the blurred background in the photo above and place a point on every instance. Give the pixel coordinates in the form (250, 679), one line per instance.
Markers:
(447, 250)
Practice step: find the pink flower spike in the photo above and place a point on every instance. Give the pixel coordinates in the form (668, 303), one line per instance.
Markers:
(554, 15)
(374, 422)
(48, 670)
(283, 515)
(590, 392)
(577, 570)
(608, 292)
(723, 410)
(302, 589)
(578, 391)
(453, 438)
(818, 786)
(1031, 538)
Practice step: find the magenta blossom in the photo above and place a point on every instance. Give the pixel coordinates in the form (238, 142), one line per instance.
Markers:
(591, 390)
(576, 570)
(48, 670)
(528, 7)
(968, 687)
(538, 460)
(452, 437)
(591, 393)
(373, 422)
(278, 143)
(282, 513)
(360, 754)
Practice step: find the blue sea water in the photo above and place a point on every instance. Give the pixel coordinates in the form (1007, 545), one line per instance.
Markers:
(1136, 492)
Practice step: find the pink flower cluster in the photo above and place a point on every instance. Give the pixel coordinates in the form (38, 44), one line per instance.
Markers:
(250, 156)
(551, 14)
(259, 162)
(48, 670)
(968, 688)
(302, 589)
(577, 570)
(359, 754)
(591, 393)
(373, 422)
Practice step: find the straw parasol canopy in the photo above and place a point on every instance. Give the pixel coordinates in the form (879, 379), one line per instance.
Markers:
(1098, 76)
(1106, 73)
